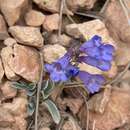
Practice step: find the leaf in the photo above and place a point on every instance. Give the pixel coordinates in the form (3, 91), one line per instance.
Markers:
(23, 85)
(31, 108)
(48, 86)
(53, 110)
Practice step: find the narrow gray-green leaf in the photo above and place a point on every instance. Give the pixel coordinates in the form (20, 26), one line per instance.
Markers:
(53, 110)
(31, 108)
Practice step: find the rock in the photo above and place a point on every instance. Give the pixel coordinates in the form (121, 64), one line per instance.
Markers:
(51, 22)
(64, 40)
(7, 90)
(112, 72)
(13, 9)
(18, 107)
(89, 29)
(71, 124)
(74, 104)
(99, 101)
(3, 29)
(90, 69)
(6, 54)
(53, 52)
(122, 56)
(49, 5)
(9, 41)
(1, 71)
(20, 123)
(34, 18)
(6, 118)
(116, 114)
(25, 62)
(30, 36)
(114, 22)
(74, 5)
(44, 128)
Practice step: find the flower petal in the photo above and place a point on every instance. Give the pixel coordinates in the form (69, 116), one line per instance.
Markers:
(101, 64)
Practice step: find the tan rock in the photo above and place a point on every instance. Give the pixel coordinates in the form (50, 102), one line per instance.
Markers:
(20, 123)
(49, 5)
(99, 102)
(44, 128)
(30, 36)
(6, 118)
(112, 72)
(74, 5)
(71, 124)
(7, 90)
(9, 41)
(26, 62)
(1, 70)
(89, 29)
(12, 10)
(52, 52)
(34, 18)
(51, 22)
(6, 54)
(64, 40)
(3, 29)
(117, 112)
(115, 16)
(73, 104)
(123, 54)
(18, 107)
(90, 69)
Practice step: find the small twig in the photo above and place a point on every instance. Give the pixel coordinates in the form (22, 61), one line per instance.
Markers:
(121, 74)
(61, 15)
(30, 125)
(84, 97)
(90, 14)
(104, 6)
(38, 92)
(61, 124)
(125, 10)
(94, 123)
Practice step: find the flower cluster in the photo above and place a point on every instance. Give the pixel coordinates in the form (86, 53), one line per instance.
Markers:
(92, 52)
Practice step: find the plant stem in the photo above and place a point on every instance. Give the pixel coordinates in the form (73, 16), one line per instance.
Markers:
(38, 92)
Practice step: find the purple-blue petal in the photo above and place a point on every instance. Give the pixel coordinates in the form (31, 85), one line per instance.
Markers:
(101, 64)
(49, 67)
(92, 82)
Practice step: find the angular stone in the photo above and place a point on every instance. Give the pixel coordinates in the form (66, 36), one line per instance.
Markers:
(25, 62)
(99, 101)
(6, 118)
(18, 107)
(74, 5)
(115, 16)
(3, 29)
(6, 54)
(116, 114)
(64, 40)
(53, 52)
(51, 22)
(89, 29)
(7, 90)
(9, 41)
(13, 9)
(30, 36)
(1, 71)
(34, 18)
(49, 5)
(123, 54)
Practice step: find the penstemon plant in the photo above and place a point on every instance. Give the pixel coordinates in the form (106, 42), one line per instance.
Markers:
(93, 52)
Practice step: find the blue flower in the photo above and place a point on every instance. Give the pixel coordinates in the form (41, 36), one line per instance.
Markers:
(96, 49)
(92, 82)
(101, 64)
(61, 70)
